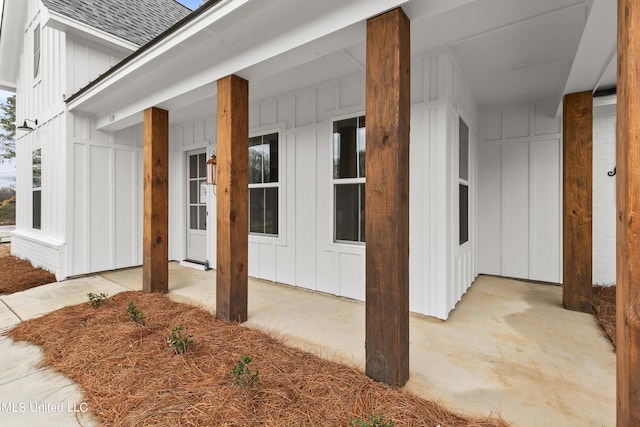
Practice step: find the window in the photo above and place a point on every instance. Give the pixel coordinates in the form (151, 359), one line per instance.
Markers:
(349, 179)
(463, 181)
(263, 184)
(36, 187)
(36, 51)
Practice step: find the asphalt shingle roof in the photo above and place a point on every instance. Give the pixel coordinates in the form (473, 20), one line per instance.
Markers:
(137, 21)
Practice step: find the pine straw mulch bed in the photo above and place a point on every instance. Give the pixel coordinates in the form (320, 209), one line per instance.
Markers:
(131, 378)
(604, 309)
(18, 274)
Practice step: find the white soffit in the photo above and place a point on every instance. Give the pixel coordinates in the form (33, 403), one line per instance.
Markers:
(595, 61)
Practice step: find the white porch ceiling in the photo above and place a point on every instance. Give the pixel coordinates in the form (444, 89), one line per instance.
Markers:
(507, 50)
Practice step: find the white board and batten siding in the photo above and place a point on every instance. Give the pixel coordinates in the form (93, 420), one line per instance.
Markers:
(304, 253)
(41, 98)
(107, 199)
(520, 193)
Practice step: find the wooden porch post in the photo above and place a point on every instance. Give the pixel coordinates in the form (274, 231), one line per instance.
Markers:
(628, 215)
(232, 199)
(155, 264)
(577, 209)
(388, 99)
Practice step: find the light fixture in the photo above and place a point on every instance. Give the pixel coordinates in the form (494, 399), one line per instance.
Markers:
(211, 169)
(27, 127)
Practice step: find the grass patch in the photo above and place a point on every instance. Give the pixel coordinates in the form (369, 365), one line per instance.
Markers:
(8, 215)
(129, 378)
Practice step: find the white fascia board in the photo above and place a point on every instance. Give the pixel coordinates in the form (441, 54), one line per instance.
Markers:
(8, 86)
(220, 10)
(11, 32)
(344, 16)
(64, 23)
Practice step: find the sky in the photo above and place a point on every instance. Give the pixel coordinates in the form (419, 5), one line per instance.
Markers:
(8, 168)
(192, 4)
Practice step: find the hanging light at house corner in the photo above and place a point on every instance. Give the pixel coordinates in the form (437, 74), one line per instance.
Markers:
(26, 127)
(212, 164)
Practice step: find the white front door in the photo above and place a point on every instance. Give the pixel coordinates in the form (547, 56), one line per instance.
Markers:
(197, 196)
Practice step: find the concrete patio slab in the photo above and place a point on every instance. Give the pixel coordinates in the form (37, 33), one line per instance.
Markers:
(508, 347)
(41, 300)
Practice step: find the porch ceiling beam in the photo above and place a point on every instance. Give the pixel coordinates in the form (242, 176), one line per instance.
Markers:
(628, 212)
(388, 99)
(271, 37)
(577, 199)
(232, 199)
(155, 264)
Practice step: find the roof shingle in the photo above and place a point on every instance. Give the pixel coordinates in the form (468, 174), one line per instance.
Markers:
(137, 21)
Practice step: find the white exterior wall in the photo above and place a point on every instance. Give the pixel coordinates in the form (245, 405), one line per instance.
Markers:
(41, 98)
(520, 193)
(604, 195)
(78, 165)
(304, 253)
(105, 197)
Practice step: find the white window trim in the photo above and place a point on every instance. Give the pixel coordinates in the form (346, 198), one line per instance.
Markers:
(36, 77)
(464, 247)
(33, 189)
(278, 239)
(338, 181)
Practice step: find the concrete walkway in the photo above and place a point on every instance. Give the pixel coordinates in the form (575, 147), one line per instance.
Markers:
(508, 347)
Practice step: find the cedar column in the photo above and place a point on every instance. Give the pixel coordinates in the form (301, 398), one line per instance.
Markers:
(628, 215)
(155, 264)
(577, 143)
(232, 199)
(388, 98)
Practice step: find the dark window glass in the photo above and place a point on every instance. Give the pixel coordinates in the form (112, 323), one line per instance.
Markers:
(349, 212)
(464, 213)
(37, 209)
(464, 150)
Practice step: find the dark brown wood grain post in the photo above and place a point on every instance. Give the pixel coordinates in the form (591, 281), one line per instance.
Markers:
(232, 199)
(155, 260)
(387, 198)
(628, 215)
(577, 195)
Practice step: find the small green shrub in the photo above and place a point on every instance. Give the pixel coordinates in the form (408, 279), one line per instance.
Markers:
(95, 299)
(242, 376)
(135, 314)
(178, 342)
(376, 420)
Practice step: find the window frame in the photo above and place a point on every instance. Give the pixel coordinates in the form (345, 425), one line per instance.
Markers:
(37, 52)
(334, 182)
(464, 182)
(268, 237)
(36, 189)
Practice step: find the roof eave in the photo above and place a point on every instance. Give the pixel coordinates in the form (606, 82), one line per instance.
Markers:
(61, 22)
(86, 91)
(13, 13)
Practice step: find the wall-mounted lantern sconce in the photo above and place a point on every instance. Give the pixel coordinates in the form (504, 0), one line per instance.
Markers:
(212, 164)
(27, 127)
